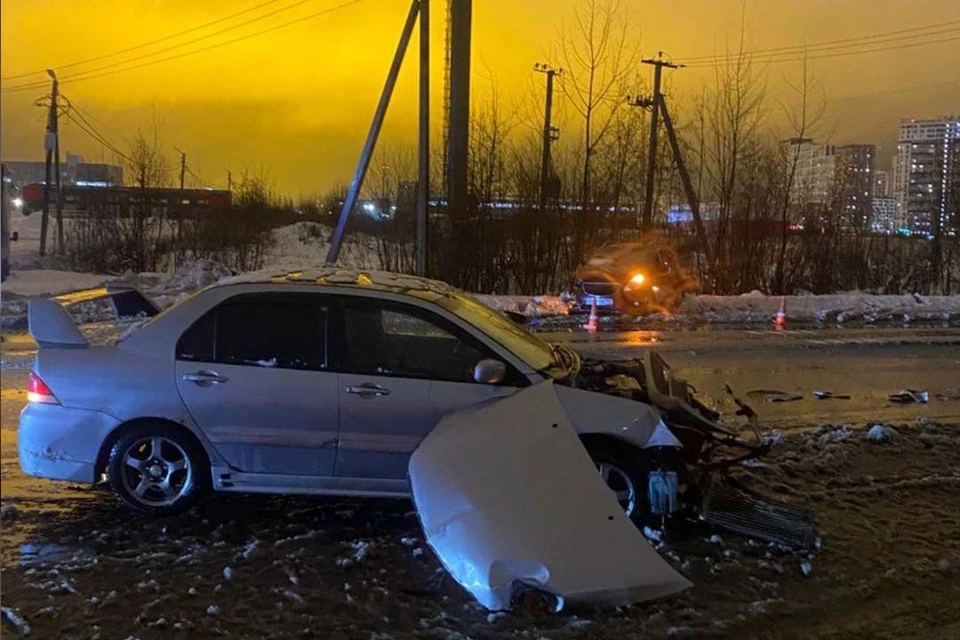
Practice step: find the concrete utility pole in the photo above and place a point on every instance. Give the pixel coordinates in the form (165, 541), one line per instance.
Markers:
(658, 64)
(548, 131)
(363, 164)
(49, 145)
(423, 177)
(461, 12)
(4, 226)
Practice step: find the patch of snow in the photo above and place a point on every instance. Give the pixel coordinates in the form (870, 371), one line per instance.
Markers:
(716, 539)
(227, 573)
(773, 437)
(806, 567)
(408, 542)
(248, 550)
(879, 433)
(496, 615)
(579, 623)
(418, 552)
(529, 306)
(213, 610)
(652, 534)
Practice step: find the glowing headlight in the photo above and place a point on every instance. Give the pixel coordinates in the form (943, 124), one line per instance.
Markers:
(637, 279)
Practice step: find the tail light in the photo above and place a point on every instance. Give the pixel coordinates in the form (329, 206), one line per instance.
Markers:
(38, 391)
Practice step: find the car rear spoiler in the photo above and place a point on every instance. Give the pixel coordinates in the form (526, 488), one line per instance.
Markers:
(51, 325)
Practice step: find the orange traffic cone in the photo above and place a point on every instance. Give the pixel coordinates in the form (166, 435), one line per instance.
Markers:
(592, 320)
(780, 320)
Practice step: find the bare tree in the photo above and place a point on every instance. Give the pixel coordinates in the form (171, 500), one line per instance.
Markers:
(597, 61)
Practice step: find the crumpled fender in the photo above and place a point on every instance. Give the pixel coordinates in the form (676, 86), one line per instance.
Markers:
(507, 494)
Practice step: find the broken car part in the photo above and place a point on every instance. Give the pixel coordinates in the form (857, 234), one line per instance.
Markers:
(508, 496)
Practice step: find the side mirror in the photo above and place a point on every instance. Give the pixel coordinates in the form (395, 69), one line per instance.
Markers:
(489, 371)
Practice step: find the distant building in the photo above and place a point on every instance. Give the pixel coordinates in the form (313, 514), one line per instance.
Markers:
(853, 183)
(813, 167)
(926, 176)
(833, 175)
(881, 184)
(885, 216)
(73, 172)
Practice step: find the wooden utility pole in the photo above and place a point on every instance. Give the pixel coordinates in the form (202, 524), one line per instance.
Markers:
(658, 64)
(657, 104)
(49, 145)
(548, 132)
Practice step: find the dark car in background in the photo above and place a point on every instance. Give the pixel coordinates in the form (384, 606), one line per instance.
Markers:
(632, 277)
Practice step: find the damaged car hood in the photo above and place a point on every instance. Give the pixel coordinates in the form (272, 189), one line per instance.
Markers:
(508, 496)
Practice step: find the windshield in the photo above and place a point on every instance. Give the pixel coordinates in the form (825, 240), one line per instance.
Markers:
(533, 351)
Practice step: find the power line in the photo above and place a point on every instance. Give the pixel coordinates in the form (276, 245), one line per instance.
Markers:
(173, 47)
(845, 42)
(823, 55)
(84, 125)
(145, 44)
(148, 63)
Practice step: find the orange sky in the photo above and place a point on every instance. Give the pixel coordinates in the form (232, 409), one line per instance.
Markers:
(298, 100)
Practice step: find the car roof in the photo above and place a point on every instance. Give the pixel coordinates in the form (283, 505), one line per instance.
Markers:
(335, 276)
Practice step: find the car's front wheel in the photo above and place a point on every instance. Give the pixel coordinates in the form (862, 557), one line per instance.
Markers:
(624, 474)
(157, 469)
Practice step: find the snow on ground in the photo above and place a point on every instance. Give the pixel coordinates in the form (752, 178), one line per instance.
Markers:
(304, 245)
(838, 308)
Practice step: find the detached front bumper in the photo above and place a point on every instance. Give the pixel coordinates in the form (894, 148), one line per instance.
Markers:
(61, 443)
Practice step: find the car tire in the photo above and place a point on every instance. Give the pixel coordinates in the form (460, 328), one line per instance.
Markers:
(622, 469)
(158, 469)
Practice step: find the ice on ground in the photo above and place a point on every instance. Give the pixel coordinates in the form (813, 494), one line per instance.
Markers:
(806, 567)
(213, 610)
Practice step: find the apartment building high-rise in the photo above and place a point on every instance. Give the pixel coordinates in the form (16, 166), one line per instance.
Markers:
(881, 184)
(839, 176)
(926, 176)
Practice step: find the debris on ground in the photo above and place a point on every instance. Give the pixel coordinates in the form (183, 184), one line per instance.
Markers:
(910, 396)
(11, 616)
(879, 433)
(829, 395)
(773, 395)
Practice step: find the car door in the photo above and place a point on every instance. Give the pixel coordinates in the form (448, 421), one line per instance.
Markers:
(254, 374)
(402, 368)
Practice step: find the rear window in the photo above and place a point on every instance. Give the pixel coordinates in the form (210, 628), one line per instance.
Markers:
(287, 331)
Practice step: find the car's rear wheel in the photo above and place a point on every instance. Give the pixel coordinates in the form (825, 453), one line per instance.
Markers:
(157, 469)
(624, 474)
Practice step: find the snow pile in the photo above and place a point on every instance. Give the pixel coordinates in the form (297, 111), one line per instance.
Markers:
(305, 244)
(879, 434)
(50, 282)
(754, 307)
(529, 306)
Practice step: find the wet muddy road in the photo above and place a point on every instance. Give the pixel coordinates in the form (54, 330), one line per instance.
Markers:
(77, 566)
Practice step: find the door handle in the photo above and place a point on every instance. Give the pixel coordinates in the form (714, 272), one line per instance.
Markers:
(368, 390)
(204, 378)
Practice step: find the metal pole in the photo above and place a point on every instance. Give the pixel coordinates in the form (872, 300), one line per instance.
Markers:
(423, 183)
(357, 183)
(647, 221)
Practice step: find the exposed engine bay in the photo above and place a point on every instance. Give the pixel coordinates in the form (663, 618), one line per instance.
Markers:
(689, 478)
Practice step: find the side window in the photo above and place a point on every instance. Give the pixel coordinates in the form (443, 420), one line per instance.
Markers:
(396, 340)
(287, 331)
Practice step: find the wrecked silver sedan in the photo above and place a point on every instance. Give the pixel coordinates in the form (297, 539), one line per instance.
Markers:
(518, 454)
